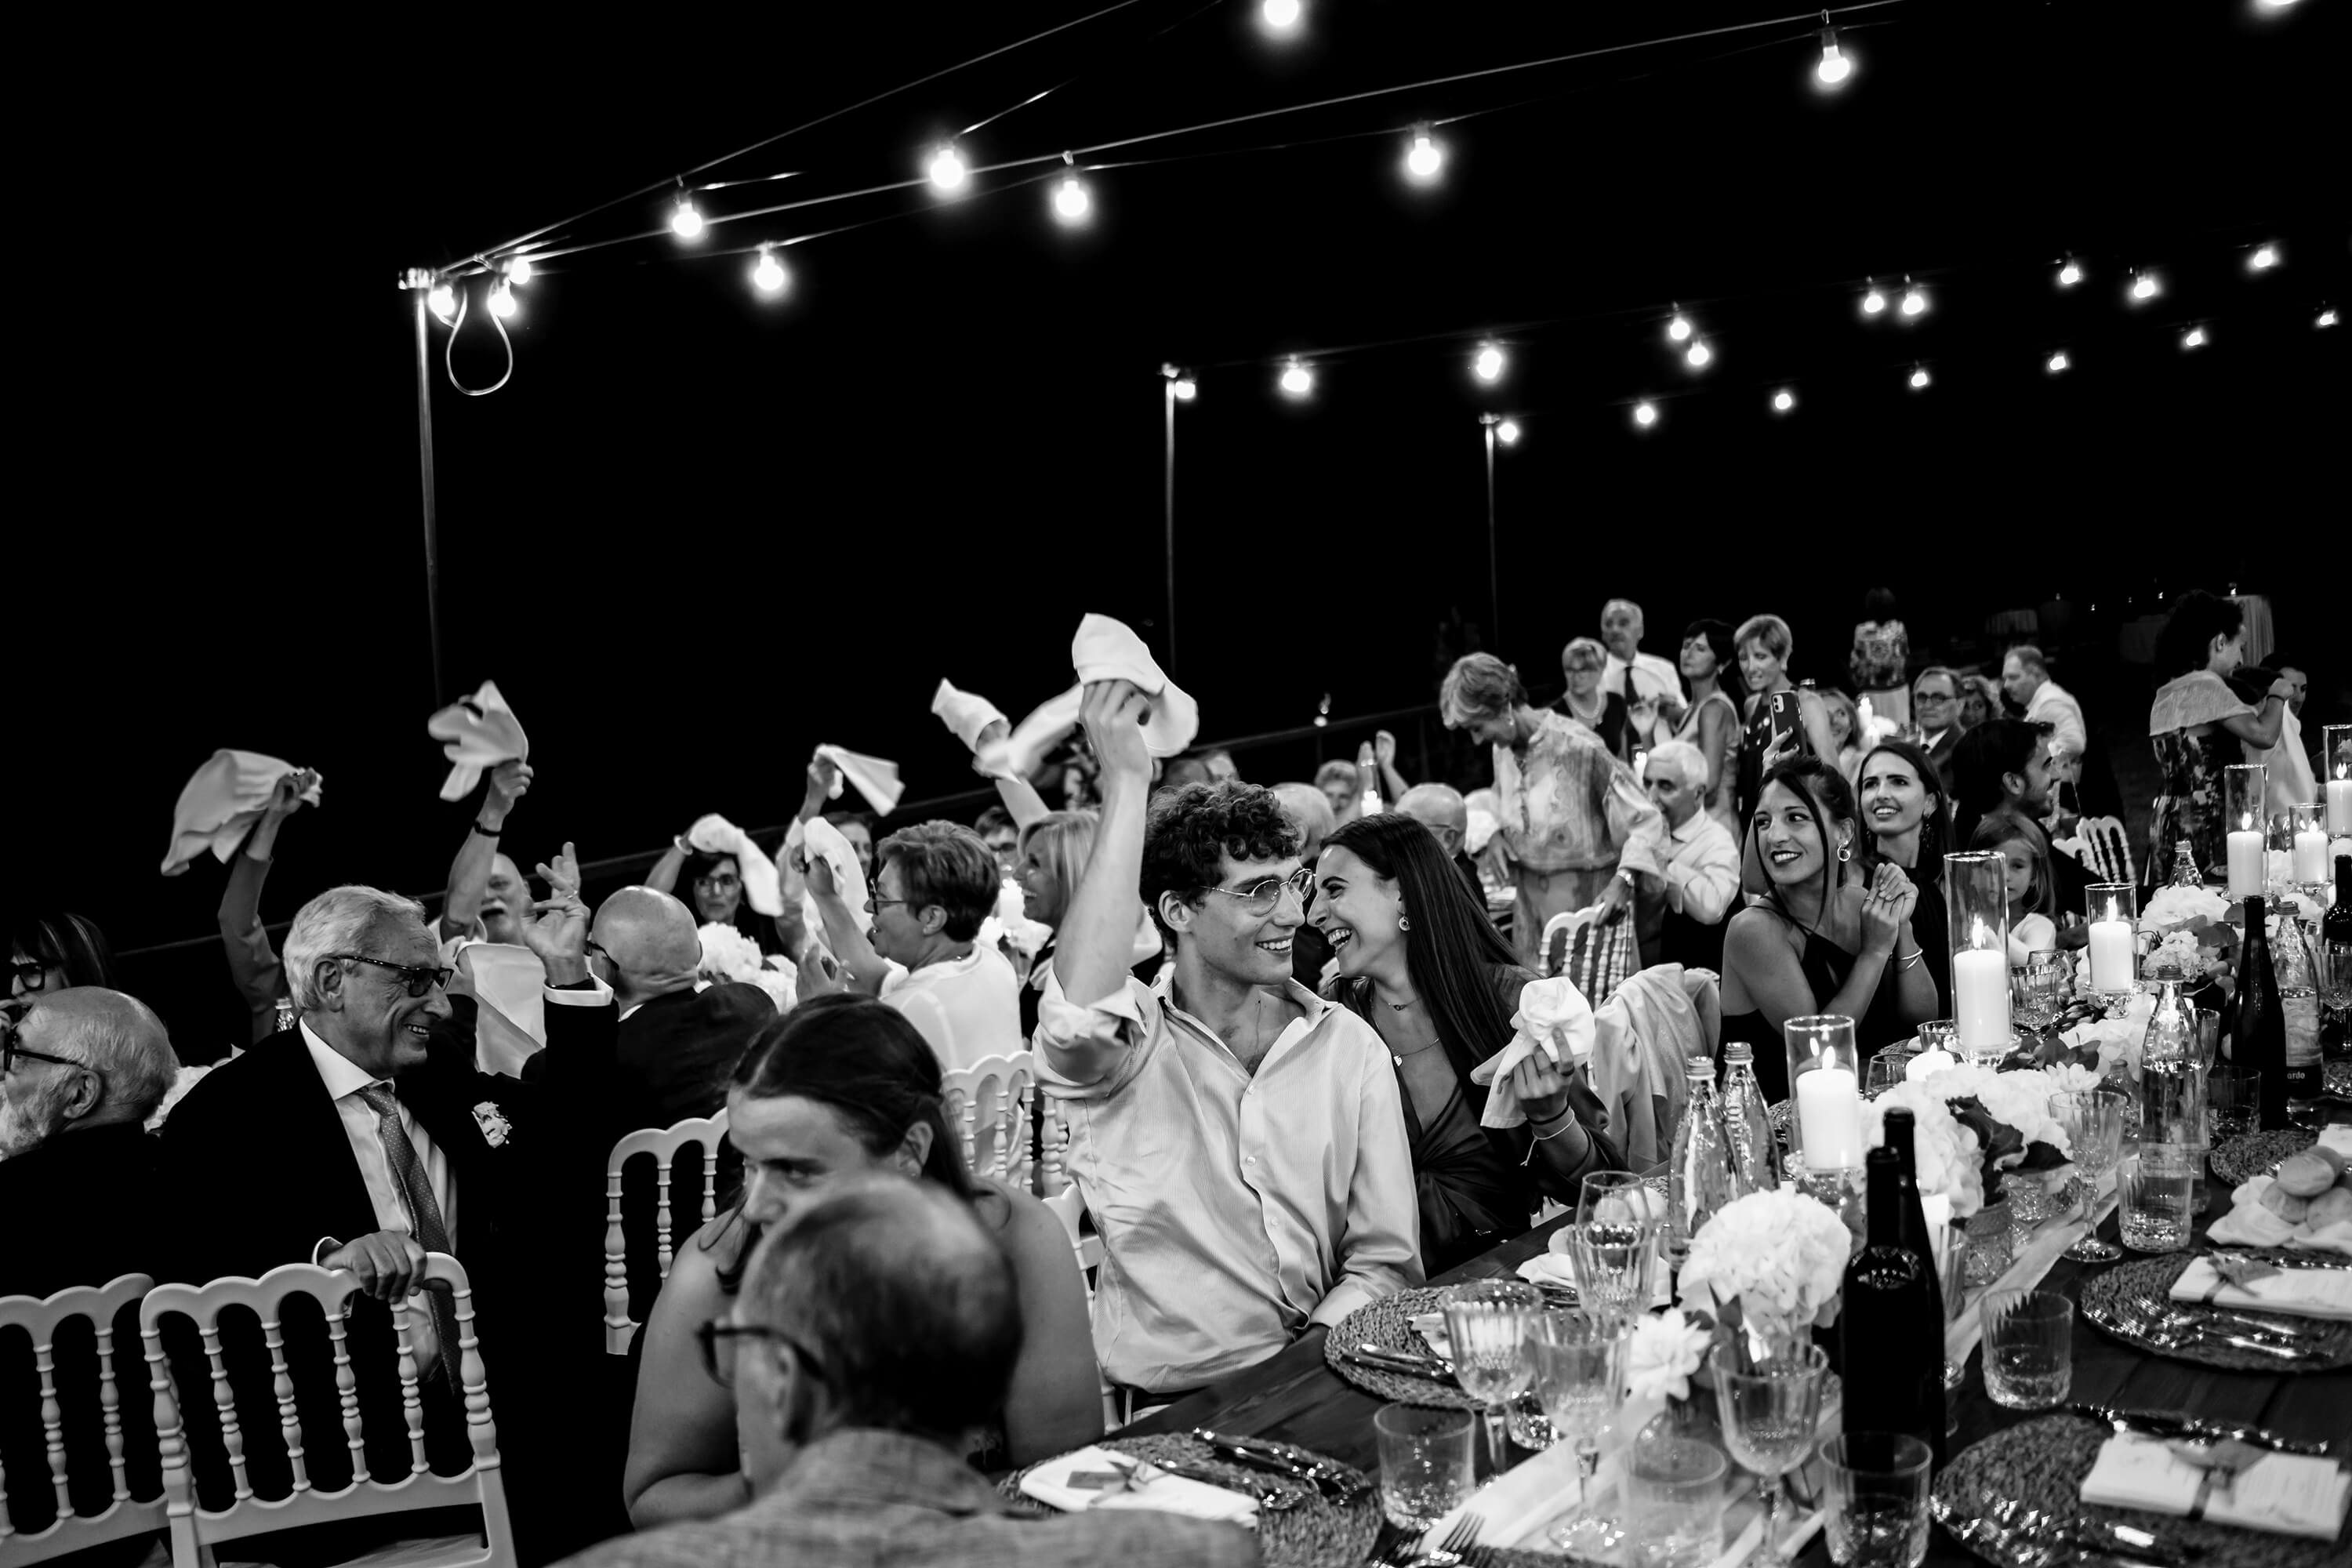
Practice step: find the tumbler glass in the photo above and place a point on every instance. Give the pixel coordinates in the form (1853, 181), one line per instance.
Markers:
(2155, 1188)
(1876, 1500)
(1675, 1498)
(2029, 1347)
(1426, 1468)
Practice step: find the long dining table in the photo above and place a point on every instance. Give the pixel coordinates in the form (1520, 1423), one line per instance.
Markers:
(1296, 1397)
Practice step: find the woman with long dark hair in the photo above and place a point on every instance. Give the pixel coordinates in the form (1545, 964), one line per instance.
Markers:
(1419, 962)
(841, 1085)
(1907, 814)
(1711, 722)
(2199, 725)
(1832, 934)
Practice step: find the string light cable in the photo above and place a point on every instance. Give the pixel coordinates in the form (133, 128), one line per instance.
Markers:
(450, 351)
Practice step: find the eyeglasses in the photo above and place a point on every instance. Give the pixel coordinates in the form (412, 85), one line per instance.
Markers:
(873, 902)
(11, 1051)
(31, 974)
(722, 1368)
(416, 979)
(719, 881)
(592, 948)
(1262, 896)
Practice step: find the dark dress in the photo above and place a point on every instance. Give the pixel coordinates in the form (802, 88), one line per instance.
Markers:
(1931, 925)
(1826, 965)
(1755, 740)
(1610, 726)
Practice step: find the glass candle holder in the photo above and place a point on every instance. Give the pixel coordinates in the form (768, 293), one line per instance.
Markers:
(2336, 763)
(1825, 1078)
(2307, 848)
(2245, 818)
(1976, 898)
(2111, 910)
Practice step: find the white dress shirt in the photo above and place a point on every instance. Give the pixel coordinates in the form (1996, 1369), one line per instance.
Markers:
(2053, 705)
(1702, 874)
(1652, 677)
(968, 1007)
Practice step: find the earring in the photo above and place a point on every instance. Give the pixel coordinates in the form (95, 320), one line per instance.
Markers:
(1845, 851)
(1404, 922)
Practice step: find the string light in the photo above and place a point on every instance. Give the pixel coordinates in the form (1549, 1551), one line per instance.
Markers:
(2194, 338)
(1490, 363)
(1834, 67)
(2265, 256)
(1297, 380)
(1915, 302)
(1645, 413)
(685, 223)
(2057, 363)
(1281, 15)
(768, 276)
(502, 300)
(442, 301)
(2070, 274)
(1186, 388)
(1424, 158)
(2143, 287)
(2326, 317)
(1678, 330)
(1507, 432)
(518, 270)
(1071, 202)
(1784, 400)
(1699, 355)
(947, 168)
(1873, 303)
(1920, 378)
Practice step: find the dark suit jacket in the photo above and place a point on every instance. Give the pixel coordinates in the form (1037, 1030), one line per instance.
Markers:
(676, 1052)
(81, 1210)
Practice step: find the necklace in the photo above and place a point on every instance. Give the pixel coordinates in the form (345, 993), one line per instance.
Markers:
(1578, 709)
(1417, 1050)
(1401, 1007)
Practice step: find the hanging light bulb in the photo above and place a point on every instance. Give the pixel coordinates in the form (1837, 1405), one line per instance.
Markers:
(1070, 200)
(1296, 379)
(2265, 256)
(1678, 330)
(442, 301)
(518, 270)
(1915, 302)
(2194, 338)
(1645, 413)
(2326, 317)
(1920, 378)
(1186, 388)
(2273, 4)
(1490, 362)
(2143, 287)
(1873, 303)
(502, 300)
(1281, 15)
(1699, 355)
(947, 168)
(685, 223)
(1834, 66)
(1424, 158)
(768, 276)
(2057, 363)
(1784, 400)
(2070, 273)
(1507, 432)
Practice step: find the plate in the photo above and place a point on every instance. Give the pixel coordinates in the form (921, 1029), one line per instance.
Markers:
(1388, 1321)
(2242, 1159)
(2104, 1297)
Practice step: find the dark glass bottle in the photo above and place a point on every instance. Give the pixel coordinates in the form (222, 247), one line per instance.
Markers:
(1901, 1125)
(2335, 955)
(1891, 1334)
(2260, 1040)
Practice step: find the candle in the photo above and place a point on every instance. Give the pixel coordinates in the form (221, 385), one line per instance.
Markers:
(2246, 865)
(2339, 807)
(1829, 1119)
(1937, 1210)
(1980, 997)
(2111, 955)
(1925, 1062)
(2311, 855)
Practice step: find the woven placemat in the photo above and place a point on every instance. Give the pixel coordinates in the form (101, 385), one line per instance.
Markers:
(1318, 1533)
(2103, 1295)
(2254, 1154)
(2040, 1465)
(1388, 1321)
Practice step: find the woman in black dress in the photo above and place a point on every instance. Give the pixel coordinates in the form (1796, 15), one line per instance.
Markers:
(1604, 713)
(1908, 819)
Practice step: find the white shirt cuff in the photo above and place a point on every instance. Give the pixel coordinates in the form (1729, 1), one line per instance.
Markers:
(562, 996)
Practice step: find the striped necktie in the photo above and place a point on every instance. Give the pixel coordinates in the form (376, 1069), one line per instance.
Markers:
(423, 1212)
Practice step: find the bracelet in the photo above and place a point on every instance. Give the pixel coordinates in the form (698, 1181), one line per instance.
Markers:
(1566, 1117)
(485, 832)
(1903, 963)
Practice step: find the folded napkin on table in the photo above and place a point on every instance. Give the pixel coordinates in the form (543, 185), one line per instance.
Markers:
(1554, 1016)
(876, 778)
(1050, 1483)
(2305, 1292)
(1103, 649)
(967, 713)
(481, 731)
(2249, 1223)
(2339, 1137)
(2286, 1494)
(220, 804)
(714, 835)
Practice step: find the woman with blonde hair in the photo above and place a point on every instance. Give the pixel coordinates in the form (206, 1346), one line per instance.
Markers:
(1052, 855)
(1763, 644)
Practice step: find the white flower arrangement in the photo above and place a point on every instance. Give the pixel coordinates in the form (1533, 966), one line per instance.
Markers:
(2170, 907)
(493, 1122)
(182, 1081)
(1779, 1253)
(728, 954)
(1945, 1156)
(1665, 1349)
(2017, 1099)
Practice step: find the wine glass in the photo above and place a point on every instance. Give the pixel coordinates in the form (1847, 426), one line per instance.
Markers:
(1886, 1070)
(1614, 1245)
(1770, 1413)
(1580, 1380)
(2094, 1121)
(1487, 1328)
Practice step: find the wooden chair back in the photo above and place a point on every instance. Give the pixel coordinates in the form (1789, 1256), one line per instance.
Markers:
(197, 1531)
(124, 1514)
(2106, 848)
(663, 1143)
(988, 1108)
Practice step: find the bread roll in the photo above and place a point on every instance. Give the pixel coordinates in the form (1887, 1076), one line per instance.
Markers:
(2285, 1205)
(2305, 1175)
(2333, 1207)
(2331, 1156)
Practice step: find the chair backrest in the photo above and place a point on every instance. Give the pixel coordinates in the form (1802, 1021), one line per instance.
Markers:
(2106, 848)
(1598, 954)
(1052, 1173)
(195, 1529)
(663, 1143)
(988, 1107)
(124, 1514)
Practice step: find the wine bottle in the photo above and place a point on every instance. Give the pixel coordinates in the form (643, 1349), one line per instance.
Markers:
(1890, 1333)
(1901, 1128)
(2260, 1042)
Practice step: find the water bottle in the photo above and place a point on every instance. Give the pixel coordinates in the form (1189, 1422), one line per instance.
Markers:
(2172, 1082)
(1756, 1153)
(2298, 986)
(1702, 1177)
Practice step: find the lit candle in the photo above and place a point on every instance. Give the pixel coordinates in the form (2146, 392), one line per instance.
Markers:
(2111, 955)
(2246, 863)
(1937, 1210)
(1980, 997)
(1829, 1119)
(2339, 807)
(1925, 1062)
(2310, 856)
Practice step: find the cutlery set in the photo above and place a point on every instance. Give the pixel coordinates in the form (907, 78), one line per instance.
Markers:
(1337, 1483)
(2166, 1424)
(2171, 1329)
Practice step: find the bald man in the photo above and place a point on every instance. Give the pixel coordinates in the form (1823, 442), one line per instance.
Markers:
(678, 1039)
(1440, 808)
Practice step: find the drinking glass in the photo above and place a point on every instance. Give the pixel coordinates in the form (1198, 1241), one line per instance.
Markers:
(2233, 1097)
(1487, 1323)
(2094, 1121)
(1886, 1071)
(1675, 1498)
(2209, 1035)
(2029, 1347)
(1770, 1415)
(1614, 1245)
(2042, 988)
(1579, 1379)
(1940, 1035)
(1876, 1500)
(1425, 1464)
(2154, 1188)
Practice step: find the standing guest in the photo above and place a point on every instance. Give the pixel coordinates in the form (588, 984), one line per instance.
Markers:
(840, 1089)
(1635, 676)
(1701, 876)
(675, 1040)
(2199, 725)
(937, 882)
(997, 829)
(1420, 963)
(2290, 778)
(1342, 788)
(1711, 722)
(1907, 813)
(1238, 1140)
(1441, 809)
(51, 952)
(1845, 730)
(1310, 813)
(1882, 650)
(1935, 702)
(252, 962)
(1764, 644)
(1602, 713)
(1821, 939)
(489, 899)
(2025, 681)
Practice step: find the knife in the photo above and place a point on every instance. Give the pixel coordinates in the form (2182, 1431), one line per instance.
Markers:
(2168, 1423)
(1406, 1361)
(1281, 1458)
(1329, 1485)
(1378, 1363)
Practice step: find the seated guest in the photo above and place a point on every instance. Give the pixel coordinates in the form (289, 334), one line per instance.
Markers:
(252, 962)
(1764, 645)
(2288, 774)
(1936, 705)
(1342, 784)
(1053, 853)
(1221, 765)
(937, 883)
(1711, 722)
(489, 899)
(675, 1043)
(997, 830)
(2199, 725)
(51, 952)
(1821, 939)
(1238, 1140)
(1420, 963)
(2004, 765)
(2025, 869)
(1178, 772)
(838, 1090)
(1907, 814)
(1441, 808)
(1602, 713)
(1309, 813)
(714, 891)
(877, 1324)
(1701, 878)
(1979, 700)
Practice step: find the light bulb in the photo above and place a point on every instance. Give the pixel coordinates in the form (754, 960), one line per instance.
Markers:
(1699, 355)
(1297, 380)
(2273, 4)
(2070, 274)
(502, 300)
(685, 223)
(2194, 338)
(2263, 258)
(1281, 14)
(1507, 432)
(1186, 388)
(1834, 66)
(1679, 329)
(1873, 301)
(947, 168)
(769, 276)
(1783, 400)
(2143, 286)
(2057, 362)
(1070, 199)
(442, 301)
(1919, 379)
(1914, 301)
(518, 270)
(2326, 317)
(1488, 365)
(1422, 159)
(1645, 413)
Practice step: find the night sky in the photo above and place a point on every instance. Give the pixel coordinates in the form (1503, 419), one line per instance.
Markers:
(699, 533)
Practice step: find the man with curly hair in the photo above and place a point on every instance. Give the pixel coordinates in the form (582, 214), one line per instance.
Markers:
(1238, 1140)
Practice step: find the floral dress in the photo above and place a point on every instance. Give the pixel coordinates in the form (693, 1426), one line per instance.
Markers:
(1568, 814)
(2191, 749)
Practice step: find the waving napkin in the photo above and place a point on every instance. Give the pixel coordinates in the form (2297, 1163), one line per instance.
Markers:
(966, 713)
(825, 843)
(1553, 1014)
(220, 804)
(1104, 649)
(1051, 1484)
(714, 835)
(876, 779)
(481, 731)
(2286, 1494)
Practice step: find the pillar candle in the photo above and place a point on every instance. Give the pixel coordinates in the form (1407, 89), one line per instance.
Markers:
(2311, 855)
(2111, 955)
(1925, 1062)
(1937, 1210)
(1829, 1119)
(2246, 862)
(1981, 996)
(2339, 807)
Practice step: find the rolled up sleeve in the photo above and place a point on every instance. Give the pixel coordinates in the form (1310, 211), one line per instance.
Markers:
(1380, 1253)
(1090, 1050)
(1703, 881)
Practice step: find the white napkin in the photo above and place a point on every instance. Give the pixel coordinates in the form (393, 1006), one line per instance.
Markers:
(2286, 1494)
(481, 731)
(967, 713)
(876, 778)
(714, 835)
(2339, 1137)
(511, 982)
(2248, 1224)
(220, 804)
(1010, 922)
(1049, 1483)
(2306, 1293)
(1103, 649)
(825, 843)
(1554, 1014)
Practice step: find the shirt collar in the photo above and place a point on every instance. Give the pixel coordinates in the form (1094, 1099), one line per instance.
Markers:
(865, 1465)
(338, 1071)
(1311, 1007)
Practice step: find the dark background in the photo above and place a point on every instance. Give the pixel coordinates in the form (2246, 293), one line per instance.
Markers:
(699, 532)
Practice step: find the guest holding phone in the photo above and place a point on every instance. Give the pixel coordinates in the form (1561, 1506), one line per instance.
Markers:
(1798, 723)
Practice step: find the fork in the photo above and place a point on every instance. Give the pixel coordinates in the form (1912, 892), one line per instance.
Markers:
(2205, 1316)
(1450, 1552)
(2174, 1339)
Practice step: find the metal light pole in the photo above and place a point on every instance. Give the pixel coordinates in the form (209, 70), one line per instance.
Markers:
(419, 282)
(1176, 387)
(1494, 567)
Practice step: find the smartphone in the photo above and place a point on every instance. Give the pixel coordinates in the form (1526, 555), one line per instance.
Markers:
(1788, 718)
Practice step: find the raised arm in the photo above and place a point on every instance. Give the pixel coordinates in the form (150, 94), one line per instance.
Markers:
(2260, 729)
(850, 947)
(1392, 783)
(821, 776)
(252, 962)
(469, 873)
(1091, 950)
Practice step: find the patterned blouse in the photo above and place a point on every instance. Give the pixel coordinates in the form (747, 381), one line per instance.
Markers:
(1567, 804)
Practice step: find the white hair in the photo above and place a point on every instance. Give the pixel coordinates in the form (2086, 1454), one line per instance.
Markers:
(340, 920)
(1688, 763)
(1627, 604)
(121, 1038)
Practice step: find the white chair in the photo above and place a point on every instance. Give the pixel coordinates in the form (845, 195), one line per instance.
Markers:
(124, 1515)
(988, 1106)
(197, 1531)
(2106, 848)
(1061, 1194)
(663, 1143)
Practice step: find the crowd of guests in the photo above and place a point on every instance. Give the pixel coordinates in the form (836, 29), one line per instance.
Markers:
(1261, 1014)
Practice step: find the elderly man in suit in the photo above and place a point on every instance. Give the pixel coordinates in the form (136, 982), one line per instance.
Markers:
(676, 1043)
